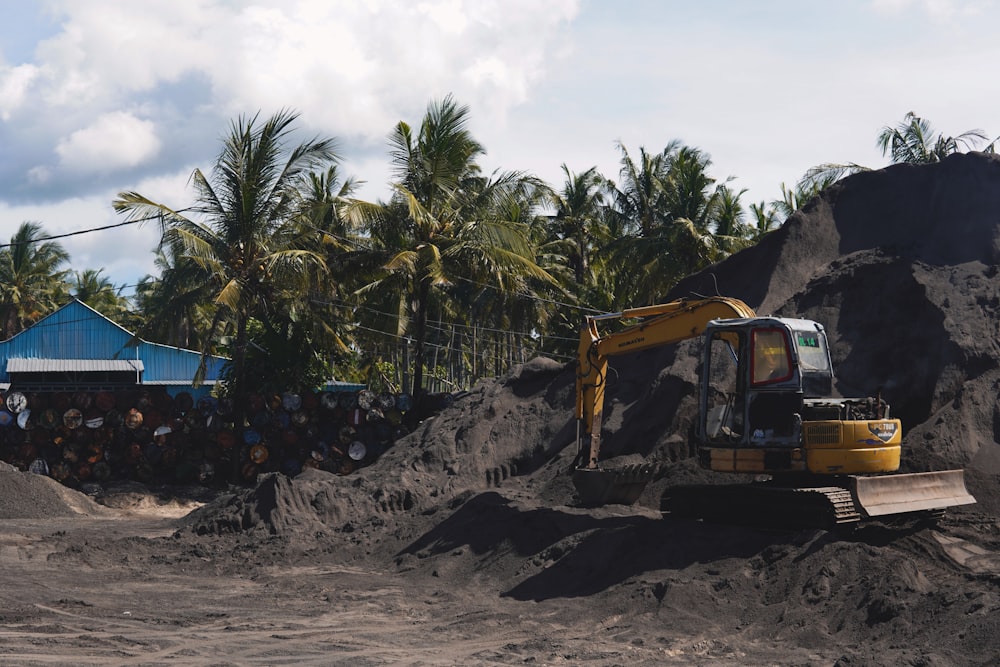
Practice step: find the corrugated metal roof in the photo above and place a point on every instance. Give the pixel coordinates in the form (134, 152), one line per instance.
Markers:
(77, 332)
(37, 365)
(340, 385)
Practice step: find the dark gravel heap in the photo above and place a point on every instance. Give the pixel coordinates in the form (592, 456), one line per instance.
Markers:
(900, 266)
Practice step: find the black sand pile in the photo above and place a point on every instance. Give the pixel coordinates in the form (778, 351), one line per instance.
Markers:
(899, 265)
(25, 495)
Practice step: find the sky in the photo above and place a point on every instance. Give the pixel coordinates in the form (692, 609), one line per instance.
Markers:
(99, 97)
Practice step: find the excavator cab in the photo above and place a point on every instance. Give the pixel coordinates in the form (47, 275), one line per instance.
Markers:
(756, 376)
(766, 404)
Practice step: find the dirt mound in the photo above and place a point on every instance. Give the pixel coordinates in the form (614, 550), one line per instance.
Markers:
(25, 495)
(495, 432)
(900, 267)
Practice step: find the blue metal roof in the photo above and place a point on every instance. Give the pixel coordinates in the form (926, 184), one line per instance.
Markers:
(78, 332)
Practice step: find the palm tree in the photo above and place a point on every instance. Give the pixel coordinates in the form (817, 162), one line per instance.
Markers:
(731, 232)
(320, 324)
(914, 141)
(639, 197)
(98, 292)
(579, 219)
(674, 206)
(689, 192)
(177, 304)
(324, 199)
(791, 200)
(32, 282)
(243, 233)
(442, 223)
(333, 237)
(765, 219)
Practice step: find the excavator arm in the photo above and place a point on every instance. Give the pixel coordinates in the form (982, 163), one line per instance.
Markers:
(662, 324)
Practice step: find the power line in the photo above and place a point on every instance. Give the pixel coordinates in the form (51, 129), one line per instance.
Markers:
(54, 237)
(534, 297)
(485, 353)
(443, 324)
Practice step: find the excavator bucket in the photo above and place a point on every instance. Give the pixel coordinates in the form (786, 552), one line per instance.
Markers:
(619, 486)
(915, 492)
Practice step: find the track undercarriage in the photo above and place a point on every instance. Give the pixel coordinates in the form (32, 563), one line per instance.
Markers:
(762, 504)
(833, 502)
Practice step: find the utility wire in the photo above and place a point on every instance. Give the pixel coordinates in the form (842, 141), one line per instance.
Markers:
(443, 324)
(533, 297)
(78, 232)
(485, 353)
(345, 239)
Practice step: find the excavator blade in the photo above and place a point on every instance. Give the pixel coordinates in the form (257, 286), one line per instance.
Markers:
(914, 492)
(619, 486)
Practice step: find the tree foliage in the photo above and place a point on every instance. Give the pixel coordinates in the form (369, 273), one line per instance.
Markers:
(444, 223)
(32, 278)
(242, 236)
(458, 275)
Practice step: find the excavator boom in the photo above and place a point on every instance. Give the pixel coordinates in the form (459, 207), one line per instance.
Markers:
(660, 325)
(664, 324)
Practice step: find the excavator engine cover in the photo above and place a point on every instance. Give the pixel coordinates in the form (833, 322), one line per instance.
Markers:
(620, 486)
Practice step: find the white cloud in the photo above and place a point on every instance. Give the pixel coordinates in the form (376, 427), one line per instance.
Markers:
(113, 141)
(121, 93)
(317, 56)
(936, 9)
(119, 77)
(125, 253)
(119, 46)
(447, 14)
(14, 85)
(359, 68)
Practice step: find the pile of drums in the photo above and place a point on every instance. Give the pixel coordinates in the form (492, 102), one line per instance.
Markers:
(153, 437)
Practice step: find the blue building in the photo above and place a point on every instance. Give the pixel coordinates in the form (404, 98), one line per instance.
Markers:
(78, 349)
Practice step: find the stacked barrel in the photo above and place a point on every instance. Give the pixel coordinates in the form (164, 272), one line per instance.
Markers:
(153, 437)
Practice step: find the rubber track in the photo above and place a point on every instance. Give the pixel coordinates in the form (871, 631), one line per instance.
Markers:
(763, 505)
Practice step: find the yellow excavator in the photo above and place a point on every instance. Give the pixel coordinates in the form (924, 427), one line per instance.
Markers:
(766, 409)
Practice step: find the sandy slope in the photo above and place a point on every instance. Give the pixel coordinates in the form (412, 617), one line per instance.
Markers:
(462, 544)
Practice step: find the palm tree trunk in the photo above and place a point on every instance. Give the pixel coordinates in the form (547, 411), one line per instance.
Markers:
(437, 349)
(239, 395)
(423, 291)
(450, 357)
(9, 322)
(406, 364)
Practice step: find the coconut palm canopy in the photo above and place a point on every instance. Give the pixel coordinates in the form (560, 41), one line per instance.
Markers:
(459, 274)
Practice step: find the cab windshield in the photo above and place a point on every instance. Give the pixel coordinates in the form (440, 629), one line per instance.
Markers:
(813, 355)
